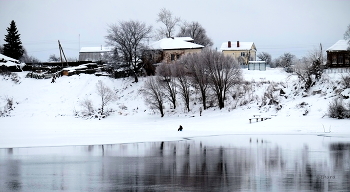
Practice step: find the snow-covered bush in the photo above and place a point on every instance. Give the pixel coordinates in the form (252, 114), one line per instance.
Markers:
(10, 76)
(304, 107)
(270, 97)
(88, 108)
(106, 96)
(337, 109)
(88, 112)
(9, 106)
(309, 69)
(345, 81)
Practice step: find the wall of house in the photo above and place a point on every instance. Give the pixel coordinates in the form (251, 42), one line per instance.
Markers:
(168, 58)
(338, 59)
(92, 56)
(237, 53)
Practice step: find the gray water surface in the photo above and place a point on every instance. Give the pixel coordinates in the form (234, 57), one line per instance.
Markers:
(216, 163)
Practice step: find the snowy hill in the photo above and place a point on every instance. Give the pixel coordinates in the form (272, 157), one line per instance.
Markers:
(44, 113)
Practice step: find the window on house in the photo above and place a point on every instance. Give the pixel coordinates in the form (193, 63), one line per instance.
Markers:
(178, 56)
(347, 58)
(334, 59)
(172, 57)
(243, 54)
(340, 59)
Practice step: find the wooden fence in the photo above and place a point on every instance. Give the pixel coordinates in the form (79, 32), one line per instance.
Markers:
(337, 70)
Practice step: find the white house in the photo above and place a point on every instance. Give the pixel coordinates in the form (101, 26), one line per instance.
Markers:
(94, 54)
(245, 51)
(171, 49)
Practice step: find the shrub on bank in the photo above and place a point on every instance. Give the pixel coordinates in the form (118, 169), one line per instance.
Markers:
(338, 109)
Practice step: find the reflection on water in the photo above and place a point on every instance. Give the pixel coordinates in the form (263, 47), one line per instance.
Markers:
(222, 163)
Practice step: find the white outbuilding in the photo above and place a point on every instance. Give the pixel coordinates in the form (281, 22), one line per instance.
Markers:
(95, 54)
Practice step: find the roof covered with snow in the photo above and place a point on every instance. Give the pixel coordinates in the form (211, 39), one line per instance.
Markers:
(95, 49)
(234, 47)
(185, 38)
(341, 45)
(174, 43)
(8, 61)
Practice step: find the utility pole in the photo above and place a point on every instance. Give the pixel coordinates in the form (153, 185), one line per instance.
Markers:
(62, 52)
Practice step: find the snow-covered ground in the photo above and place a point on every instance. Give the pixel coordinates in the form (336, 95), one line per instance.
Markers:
(44, 112)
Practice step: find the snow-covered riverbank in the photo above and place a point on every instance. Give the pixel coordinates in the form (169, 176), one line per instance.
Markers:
(44, 112)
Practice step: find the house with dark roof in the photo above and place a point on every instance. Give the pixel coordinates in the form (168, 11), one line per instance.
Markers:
(338, 55)
(242, 51)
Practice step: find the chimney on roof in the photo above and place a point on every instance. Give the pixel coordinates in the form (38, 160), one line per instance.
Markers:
(101, 47)
(237, 43)
(229, 44)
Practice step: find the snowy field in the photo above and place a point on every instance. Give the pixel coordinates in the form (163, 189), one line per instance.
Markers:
(44, 112)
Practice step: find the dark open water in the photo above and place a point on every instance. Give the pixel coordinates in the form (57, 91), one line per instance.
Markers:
(217, 163)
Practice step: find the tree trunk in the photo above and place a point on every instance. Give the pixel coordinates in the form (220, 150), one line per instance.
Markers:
(136, 78)
(204, 99)
(188, 104)
(220, 101)
(161, 113)
(102, 106)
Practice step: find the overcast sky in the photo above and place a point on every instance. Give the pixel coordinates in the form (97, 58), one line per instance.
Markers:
(275, 26)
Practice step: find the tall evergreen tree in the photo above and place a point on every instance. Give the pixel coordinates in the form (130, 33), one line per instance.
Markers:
(13, 47)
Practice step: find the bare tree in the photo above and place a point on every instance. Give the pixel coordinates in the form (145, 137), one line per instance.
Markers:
(316, 58)
(184, 83)
(166, 17)
(241, 60)
(224, 73)
(309, 69)
(347, 35)
(88, 107)
(105, 93)
(154, 95)
(197, 32)
(301, 69)
(199, 75)
(29, 59)
(265, 57)
(1, 49)
(54, 58)
(286, 60)
(167, 81)
(275, 62)
(129, 39)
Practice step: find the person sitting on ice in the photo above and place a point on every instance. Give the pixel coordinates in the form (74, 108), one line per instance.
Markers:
(180, 128)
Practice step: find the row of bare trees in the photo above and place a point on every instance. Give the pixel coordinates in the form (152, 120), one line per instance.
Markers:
(130, 38)
(208, 72)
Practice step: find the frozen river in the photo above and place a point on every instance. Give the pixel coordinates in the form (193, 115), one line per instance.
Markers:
(213, 163)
